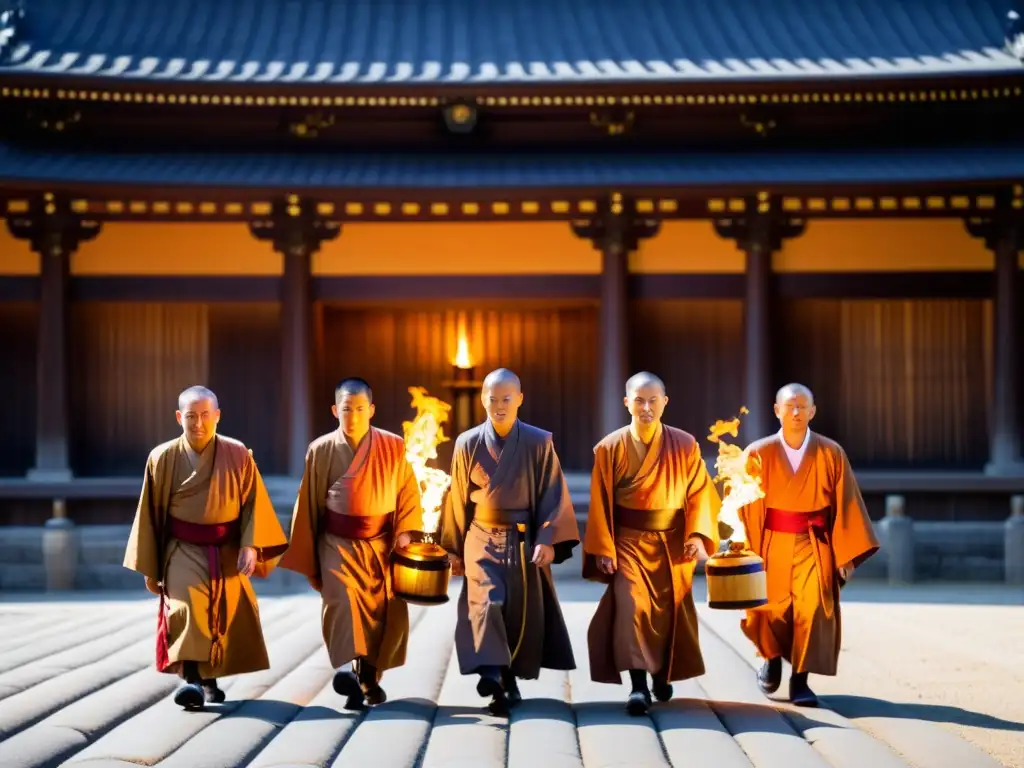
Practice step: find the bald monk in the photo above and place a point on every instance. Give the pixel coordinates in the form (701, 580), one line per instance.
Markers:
(653, 515)
(204, 525)
(358, 498)
(506, 518)
(812, 529)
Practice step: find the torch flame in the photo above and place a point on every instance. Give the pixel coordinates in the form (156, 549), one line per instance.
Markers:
(462, 358)
(422, 436)
(739, 474)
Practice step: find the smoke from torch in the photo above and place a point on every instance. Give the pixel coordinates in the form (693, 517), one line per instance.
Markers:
(422, 436)
(738, 473)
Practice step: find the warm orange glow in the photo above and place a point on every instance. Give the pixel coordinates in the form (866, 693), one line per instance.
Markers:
(462, 358)
(739, 475)
(422, 436)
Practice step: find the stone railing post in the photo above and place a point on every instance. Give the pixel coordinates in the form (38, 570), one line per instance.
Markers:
(898, 541)
(1013, 542)
(60, 549)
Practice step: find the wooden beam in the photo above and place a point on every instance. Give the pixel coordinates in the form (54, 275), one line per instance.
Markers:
(215, 204)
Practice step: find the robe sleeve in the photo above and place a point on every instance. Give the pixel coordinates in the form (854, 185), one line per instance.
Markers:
(554, 517)
(260, 527)
(143, 553)
(302, 556)
(454, 518)
(853, 537)
(702, 502)
(599, 536)
(408, 504)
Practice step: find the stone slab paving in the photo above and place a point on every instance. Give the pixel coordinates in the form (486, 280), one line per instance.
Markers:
(928, 678)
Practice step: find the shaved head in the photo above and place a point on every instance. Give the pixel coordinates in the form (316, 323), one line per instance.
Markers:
(794, 408)
(194, 394)
(198, 414)
(352, 386)
(501, 396)
(645, 400)
(502, 377)
(642, 380)
(790, 391)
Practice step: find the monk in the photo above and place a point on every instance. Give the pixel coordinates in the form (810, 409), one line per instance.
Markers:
(653, 516)
(204, 525)
(506, 518)
(812, 529)
(358, 498)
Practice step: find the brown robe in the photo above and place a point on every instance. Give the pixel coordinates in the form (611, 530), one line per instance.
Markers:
(646, 618)
(223, 486)
(802, 622)
(361, 617)
(508, 612)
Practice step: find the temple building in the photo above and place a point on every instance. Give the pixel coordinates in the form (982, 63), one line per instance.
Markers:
(265, 197)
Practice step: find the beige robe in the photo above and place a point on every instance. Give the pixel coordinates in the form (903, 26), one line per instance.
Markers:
(802, 621)
(219, 486)
(508, 612)
(361, 617)
(646, 618)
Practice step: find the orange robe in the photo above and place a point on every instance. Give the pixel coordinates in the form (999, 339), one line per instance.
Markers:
(224, 487)
(361, 618)
(646, 618)
(802, 622)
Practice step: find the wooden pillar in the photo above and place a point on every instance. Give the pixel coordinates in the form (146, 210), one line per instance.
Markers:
(54, 233)
(615, 233)
(758, 235)
(296, 232)
(1006, 239)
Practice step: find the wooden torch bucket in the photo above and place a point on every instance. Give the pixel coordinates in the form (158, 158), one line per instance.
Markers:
(420, 573)
(736, 579)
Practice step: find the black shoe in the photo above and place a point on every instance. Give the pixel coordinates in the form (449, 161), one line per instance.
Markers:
(638, 703)
(499, 706)
(661, 689)
(489, 685)
(347, 684)
(190, 696)
(375, 695)
(508, 682)
(800, 693)
(769, 677)
(212, 692)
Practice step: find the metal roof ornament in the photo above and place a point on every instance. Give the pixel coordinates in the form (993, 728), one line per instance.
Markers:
(11, 12)
(1014, 33)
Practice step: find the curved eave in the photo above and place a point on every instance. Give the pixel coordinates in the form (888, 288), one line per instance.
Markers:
(965, 87)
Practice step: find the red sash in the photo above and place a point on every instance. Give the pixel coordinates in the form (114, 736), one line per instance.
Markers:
(359, 527)
(784, 521)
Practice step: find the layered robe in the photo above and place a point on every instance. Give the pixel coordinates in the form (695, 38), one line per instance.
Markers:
(508, 612)
(802, 622)
(374, 491)
(194, 514)
(645, 502)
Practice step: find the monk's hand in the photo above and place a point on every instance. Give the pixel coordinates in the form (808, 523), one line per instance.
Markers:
(605, 565)
(543, 554)
(693, 549)
(404, 540)
(458, 567)
(247, 561)
(846, 571)
(153, 585)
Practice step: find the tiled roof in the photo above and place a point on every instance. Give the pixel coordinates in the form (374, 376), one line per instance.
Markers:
(410, 42)
(509, 170)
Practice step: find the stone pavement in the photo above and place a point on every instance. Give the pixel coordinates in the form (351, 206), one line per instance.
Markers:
(930, 677)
